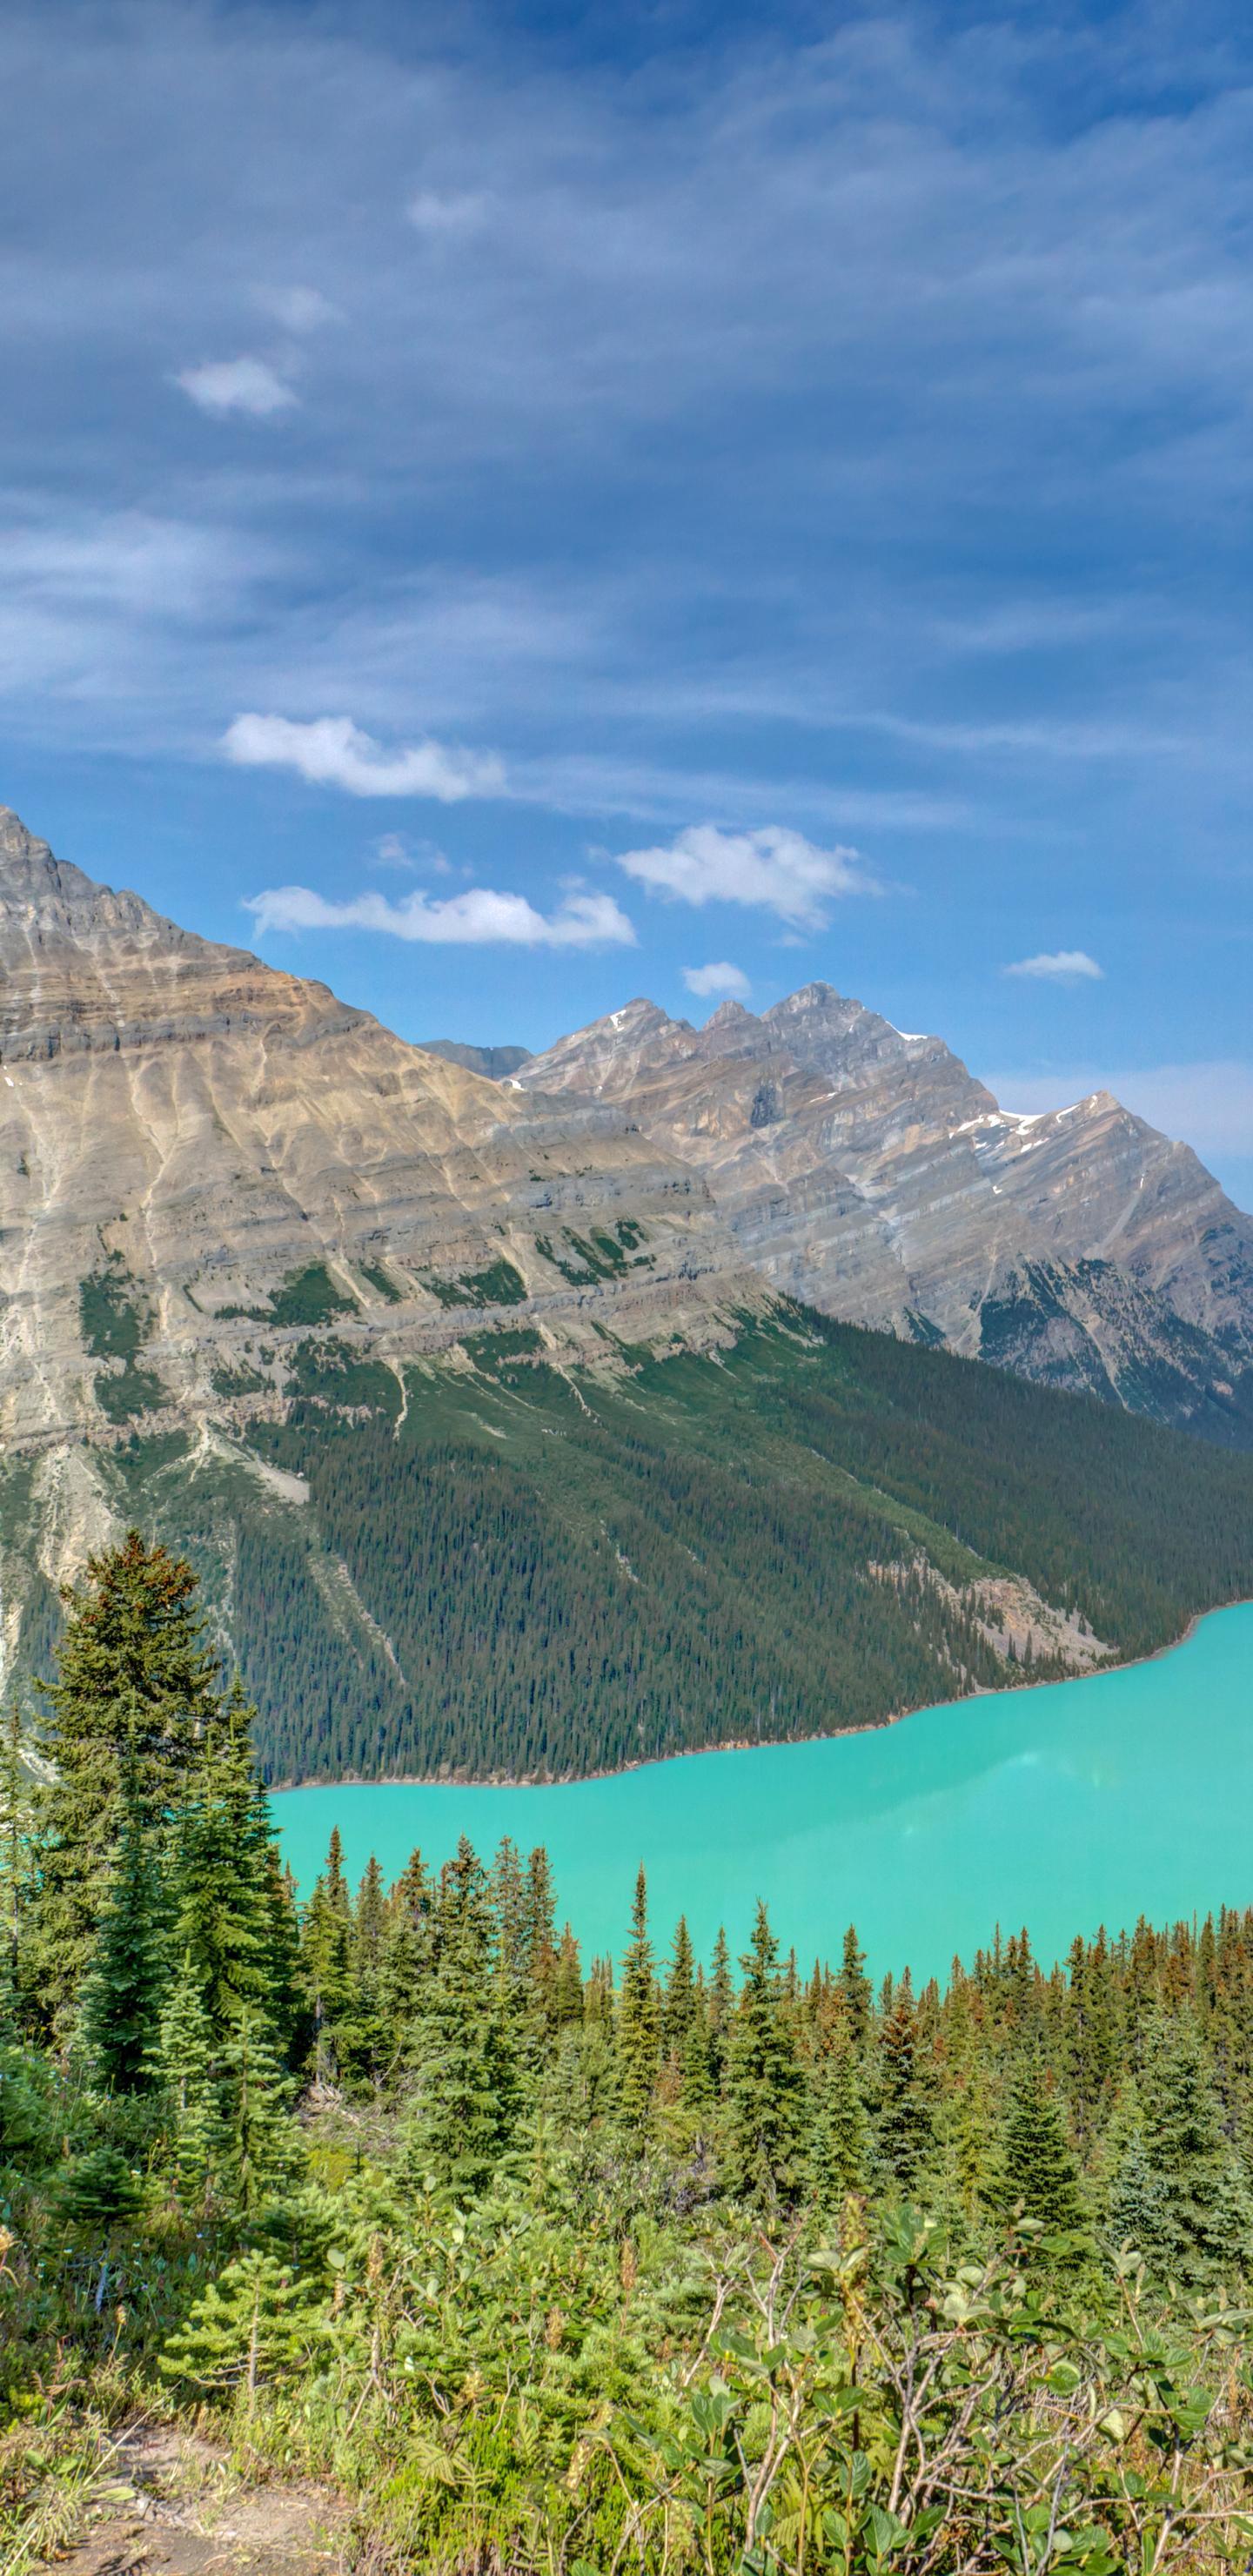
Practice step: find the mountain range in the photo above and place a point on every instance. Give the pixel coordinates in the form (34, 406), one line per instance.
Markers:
(263, 1264)
(865, 1171)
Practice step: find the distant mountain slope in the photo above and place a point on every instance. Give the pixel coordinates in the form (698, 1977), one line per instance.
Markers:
(867, 1172)
(496, 1062)
(534, 1570)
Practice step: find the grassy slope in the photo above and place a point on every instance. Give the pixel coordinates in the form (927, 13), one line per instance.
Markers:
(525, 1574)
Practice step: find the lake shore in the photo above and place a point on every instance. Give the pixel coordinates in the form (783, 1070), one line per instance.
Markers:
(748, 1744)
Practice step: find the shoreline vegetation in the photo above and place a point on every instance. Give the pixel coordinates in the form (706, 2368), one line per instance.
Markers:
(749, 1744)
(541, 2265)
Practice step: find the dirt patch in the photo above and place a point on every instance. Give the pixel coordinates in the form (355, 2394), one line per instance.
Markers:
(185, 2516)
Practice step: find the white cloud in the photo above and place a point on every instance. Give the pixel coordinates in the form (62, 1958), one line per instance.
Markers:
(390, 852)
(776, 868)
(448, 217)
(718, 979)
(1062, 966)
(249, 385)
(478, 918)
(298, 308)
(331, 751)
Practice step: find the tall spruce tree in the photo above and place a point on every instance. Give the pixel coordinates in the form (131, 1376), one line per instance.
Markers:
(678, 2003)
(765, 2105)
(464, 2109)
(190, 2081)
(222, 1873)
(260, 2144)
(1040, 2177)
(904, 2122)
(856, 1990)
(134, 1677)
(1204, 2215)
(125, 1982)
(839, 2139)
(16, 1869)
(327, 1966)
(638, 2017)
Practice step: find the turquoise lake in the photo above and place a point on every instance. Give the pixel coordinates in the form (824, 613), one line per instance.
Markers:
(1063, 1807)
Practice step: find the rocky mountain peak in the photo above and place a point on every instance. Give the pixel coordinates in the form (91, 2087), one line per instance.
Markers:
(52, 899)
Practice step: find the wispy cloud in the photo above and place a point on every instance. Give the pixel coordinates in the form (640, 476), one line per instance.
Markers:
(454, 215)
(298, 308)
(248, 385)
(331, 751)
(1059, 966)
(481, 917)
(723, 978)
(775, 869)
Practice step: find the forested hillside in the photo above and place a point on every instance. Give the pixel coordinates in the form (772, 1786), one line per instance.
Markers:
(503, 1567)
(554, 2265)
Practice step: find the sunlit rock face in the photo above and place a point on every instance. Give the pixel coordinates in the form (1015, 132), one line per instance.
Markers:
(866, 1171)
(201, 1157)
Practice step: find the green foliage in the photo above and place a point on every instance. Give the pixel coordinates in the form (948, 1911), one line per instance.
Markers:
(135, 1687)
(248, 2329)
(309, 1296)
(1040, 2177)
(112, 1318)
(124, 1987)
(765, 2117)
(497, 1284)
(382, 1282)
(115, 1321)
(461, 2045)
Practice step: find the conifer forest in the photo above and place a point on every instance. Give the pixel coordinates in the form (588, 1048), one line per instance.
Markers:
(546, 2262)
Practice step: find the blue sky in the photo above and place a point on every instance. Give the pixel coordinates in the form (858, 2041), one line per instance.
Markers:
(511, 509)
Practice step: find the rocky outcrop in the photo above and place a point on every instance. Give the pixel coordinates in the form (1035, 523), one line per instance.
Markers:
(865, 1170)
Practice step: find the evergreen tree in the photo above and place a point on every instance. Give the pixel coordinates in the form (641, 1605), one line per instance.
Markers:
(507, 1898)
(326, 1965)
(251, 2326)
(261, 2153)
(565, 1987)
(1040, 2178)
(856, 1990)
(904, 2121)
(1135, 2214)
(405, 1949)
(839, 2142)
(540, 1916)
(125, 1982)
(1203, 2218)
(698, 2090)
(134, 1677)
(678, 2006)
(189, 2083)
(16, 1885)
(464, 2109)
(638, 2018)
(223, 1885)
(368, 2049)
(721, 2005)
(765, 2109)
